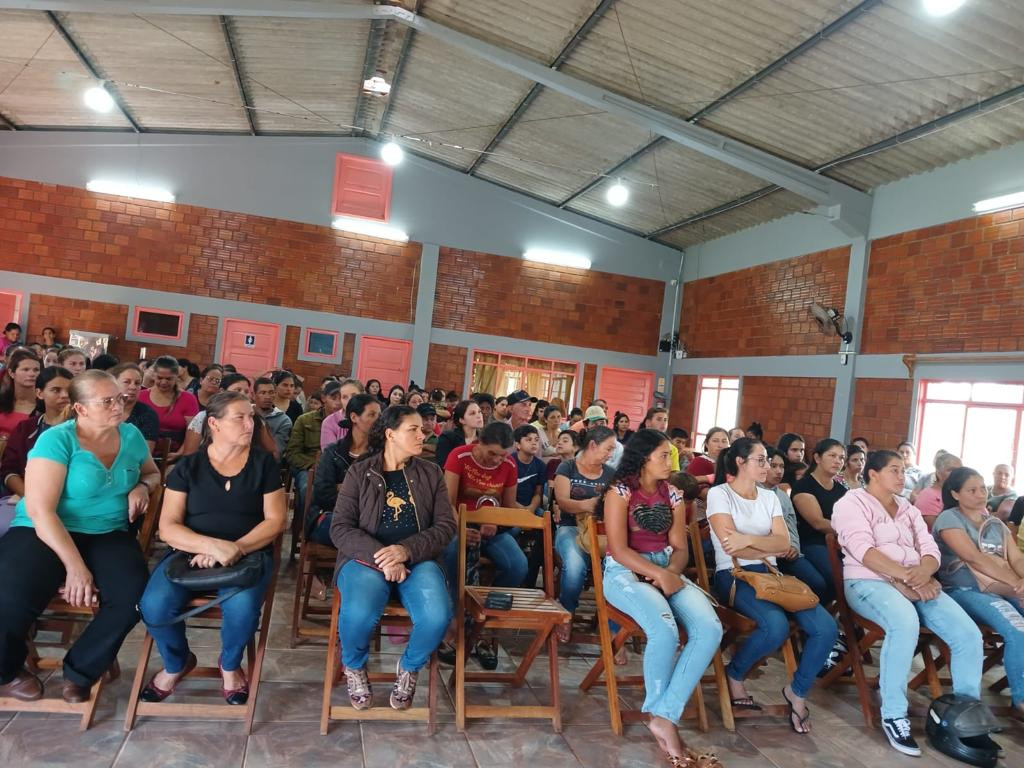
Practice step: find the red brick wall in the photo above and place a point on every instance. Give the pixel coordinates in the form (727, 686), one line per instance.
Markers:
(955, 287)
(446, 367)
(60, 231)
(881, 410)
(545, 303)
(684, 402)
(787, 404)
(763, 310)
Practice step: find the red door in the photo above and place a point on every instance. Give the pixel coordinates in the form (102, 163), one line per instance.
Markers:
(387, 360)
(10, 308)
(630, 392)
(250, 346)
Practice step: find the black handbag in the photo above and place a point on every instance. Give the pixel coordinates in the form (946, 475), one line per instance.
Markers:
(241, 575)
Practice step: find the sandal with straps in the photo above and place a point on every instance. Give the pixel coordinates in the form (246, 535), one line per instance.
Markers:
(694, 759)
(800, 721)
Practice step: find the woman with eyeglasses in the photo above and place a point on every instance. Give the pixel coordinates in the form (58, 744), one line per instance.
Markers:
(174, 407)
(86, 481)
(209, 384)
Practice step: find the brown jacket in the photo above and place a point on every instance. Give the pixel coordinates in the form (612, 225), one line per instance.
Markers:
(360, 505)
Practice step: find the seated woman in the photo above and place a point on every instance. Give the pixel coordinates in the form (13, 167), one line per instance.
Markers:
(1001, 494)
(86, 480)
(467, 421)
(17, 390)
(392, 521)
(174, 407)
(361, 413)
(852, 476)
(261, 437)
(928, 500)
(74, 359)
(972, 540)
(579, 482)
(209, 384)
(645, 521)
(747, 526)
(140, 415)
(814, 497)
(889, 561)
(221, 503)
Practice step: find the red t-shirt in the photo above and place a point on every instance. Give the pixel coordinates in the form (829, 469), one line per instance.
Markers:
(475, 480)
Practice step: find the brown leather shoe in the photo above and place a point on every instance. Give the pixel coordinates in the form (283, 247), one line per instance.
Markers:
(74, 693)
(25, 687)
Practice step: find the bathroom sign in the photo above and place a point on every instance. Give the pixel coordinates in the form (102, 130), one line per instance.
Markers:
(250, 341)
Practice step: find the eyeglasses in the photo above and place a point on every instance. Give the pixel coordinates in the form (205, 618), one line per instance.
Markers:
(109, 403)
(759, 460)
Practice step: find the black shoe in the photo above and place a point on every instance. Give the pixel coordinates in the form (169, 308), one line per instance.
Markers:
(486, 654)
(897, 731)
(446, 654)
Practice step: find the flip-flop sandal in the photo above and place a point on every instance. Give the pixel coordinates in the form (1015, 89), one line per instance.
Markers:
(747, 703)
(800, 721)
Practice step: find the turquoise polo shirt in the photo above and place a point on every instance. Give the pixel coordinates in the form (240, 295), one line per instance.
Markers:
(94, 499)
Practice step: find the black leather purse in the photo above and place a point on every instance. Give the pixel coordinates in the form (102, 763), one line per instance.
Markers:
(246, 573)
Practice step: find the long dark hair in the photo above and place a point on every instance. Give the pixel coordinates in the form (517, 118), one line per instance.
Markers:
(391, 418)
(824, 446)
(955, 482)
(216, 409)
(356, 405)
(635, 454)
(728, 460)
(650, 413)
(405, 393)
(596, 435)
(459, 413)
(7, 393)
(714, 431)
(47, 375)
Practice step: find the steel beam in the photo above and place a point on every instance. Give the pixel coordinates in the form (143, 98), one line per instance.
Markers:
(534, 92)
(403, 54)
(6, 123)
(731, 94)
(373, 42)
(73, 45)
(236, 68)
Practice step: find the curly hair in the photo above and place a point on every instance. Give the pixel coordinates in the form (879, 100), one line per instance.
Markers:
(634, 455)
(391, 418)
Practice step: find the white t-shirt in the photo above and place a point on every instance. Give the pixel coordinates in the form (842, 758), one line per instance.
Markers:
(749, 516)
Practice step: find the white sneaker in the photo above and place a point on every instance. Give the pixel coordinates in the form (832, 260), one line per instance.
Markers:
(897, 730)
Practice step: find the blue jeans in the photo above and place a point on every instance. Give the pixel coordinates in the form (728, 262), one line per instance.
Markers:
(300, 482)
(162, 601)
(803, 569)
(668, 680)
(503, 550)
(364, 594)
(773, 629)
(817, 556)
(575, 566)
(882, 603)
(1005, 616)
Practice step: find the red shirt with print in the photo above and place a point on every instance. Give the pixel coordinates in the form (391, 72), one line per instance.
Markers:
(476, 480)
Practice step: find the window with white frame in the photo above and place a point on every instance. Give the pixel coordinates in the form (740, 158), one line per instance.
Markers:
(978, 421)
(718, 402)
(500, 374)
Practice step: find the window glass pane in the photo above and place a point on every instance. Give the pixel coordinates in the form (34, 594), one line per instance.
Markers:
(988, 439)
(728, 399)
(541, 365)
(159, 324)
(707, 411)
(565, 367)
(730, 383)
(485, 378)
(1018, 472)
(709, 382)
(942, 428)
(948, 390)
(513, 362)
(319, 343)
(987, 392)
(509, 381)
(485, 357)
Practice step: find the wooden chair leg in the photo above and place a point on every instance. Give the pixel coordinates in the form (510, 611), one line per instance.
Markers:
(702, 709)
(724, 700)
(606, 664)
(90, 706)
(139, 682)
(434, 682)
(556, 703)
(460, 671)
(330, 667)
(297, 605)
(931, 671)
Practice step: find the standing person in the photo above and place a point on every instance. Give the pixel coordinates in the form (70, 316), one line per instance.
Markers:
(746, 526)
(645, 521)
(579, 482)
(467, 421)
(852, 474)
(814, 496)
(929, 501)
(74, 359)
(304, 441)
(330, 430)
(284, 394)
(277, 421)
(17, 390)
(972, 541)
(621, 427)
(72, 528)
(209, 384)
(140, 415)
(174, 408)
(11, 334)
(911, 472)
(549, 430)
(396, 396)
(889, 562)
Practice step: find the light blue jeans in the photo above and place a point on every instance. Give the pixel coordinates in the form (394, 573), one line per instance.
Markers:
(882, 603)
(669, 679)
(1005, 616)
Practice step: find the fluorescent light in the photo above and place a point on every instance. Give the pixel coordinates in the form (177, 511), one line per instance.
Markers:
(941, 7)
(123, 189)
(98, 99)
(557, 258)
(391, 153)
(999, 203)
(617, 194)
(377, 84)
(371, 228)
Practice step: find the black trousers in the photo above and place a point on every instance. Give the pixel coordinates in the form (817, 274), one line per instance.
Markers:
(30, 575)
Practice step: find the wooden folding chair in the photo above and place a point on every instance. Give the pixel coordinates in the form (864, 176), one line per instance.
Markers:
(533, 610)
(395, 615)
(59, 617)
(151, 521)
(299, 517)
(603, 671)
(161, 448)
(255, 652)
(314, 558)
(735, 627)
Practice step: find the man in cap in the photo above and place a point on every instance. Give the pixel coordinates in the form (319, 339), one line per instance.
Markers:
(520, 408)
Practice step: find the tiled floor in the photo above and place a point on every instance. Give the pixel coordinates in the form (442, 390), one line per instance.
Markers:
(287, 725)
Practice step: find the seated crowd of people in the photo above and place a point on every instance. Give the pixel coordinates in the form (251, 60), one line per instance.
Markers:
(394, 468)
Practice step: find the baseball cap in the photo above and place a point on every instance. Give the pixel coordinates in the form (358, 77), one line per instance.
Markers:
(595, 413)
(426, 409)
(331, 387)
(520, 396)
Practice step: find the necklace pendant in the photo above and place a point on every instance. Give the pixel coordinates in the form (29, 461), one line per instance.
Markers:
(227, 485)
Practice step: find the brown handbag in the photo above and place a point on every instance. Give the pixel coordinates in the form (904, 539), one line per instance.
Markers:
(907, 591)
(787, 592)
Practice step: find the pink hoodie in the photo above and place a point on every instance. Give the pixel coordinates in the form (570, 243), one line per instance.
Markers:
(861, 523)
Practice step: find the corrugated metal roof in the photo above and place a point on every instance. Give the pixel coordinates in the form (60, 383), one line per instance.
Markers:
(772, 206)
(41, 80)
(168, 55)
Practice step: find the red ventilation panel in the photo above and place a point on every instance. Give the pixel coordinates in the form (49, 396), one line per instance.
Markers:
(362, 187)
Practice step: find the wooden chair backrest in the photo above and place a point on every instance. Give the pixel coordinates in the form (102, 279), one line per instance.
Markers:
(597, 530)
(307, 503)
(836, 561)
(506, 516)
(697, 551)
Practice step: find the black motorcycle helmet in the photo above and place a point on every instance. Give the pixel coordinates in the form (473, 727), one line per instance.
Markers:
(958, 726)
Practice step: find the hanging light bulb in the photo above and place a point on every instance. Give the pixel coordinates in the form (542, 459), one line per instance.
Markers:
(98, 99)
(391, 153)
(617, 194)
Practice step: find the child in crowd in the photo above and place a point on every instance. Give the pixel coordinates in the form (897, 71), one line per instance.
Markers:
(532, 481)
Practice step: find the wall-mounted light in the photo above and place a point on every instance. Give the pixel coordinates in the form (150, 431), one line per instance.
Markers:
(557, 258)
(123, 189)
(999, 203)
(371, 228)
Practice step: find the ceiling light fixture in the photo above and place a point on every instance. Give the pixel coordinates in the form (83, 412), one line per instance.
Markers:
(98, 99)
(108, 187)
(392, 154)
(999, 203)
(378, 85)
(368, 227)
(617, 194)
(941, 7)
(557, 258)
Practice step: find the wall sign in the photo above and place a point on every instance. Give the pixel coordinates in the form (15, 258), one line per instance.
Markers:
(250, 341)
